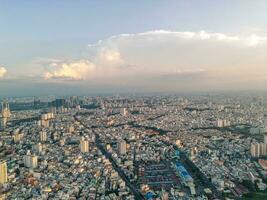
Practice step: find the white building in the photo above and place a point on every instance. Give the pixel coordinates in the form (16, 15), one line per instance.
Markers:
(84, 145)
(43, 136)
(222, 123)
(3, 172)
(122, 147)
(30, 160)
(124, 112)
(258, 149)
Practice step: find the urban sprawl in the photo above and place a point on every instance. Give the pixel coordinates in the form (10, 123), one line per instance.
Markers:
(120, 147)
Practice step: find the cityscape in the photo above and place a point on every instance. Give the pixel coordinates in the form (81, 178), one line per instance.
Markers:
(134, 147)
(133, 100)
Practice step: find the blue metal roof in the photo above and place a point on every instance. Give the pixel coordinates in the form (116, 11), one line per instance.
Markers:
(183, 172)
(149, 195)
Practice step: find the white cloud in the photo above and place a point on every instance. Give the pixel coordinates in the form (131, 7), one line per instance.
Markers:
(255, 40)
(216, 58)
(250, 40)
(109, 56)
(77, 70)
(3, 72)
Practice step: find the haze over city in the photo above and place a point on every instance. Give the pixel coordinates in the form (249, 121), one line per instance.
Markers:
(133, 100)
(132, 46)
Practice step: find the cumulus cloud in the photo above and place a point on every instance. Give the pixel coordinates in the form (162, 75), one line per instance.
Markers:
(3, 72)
(107, 57)
(255, 40)
(170, 59)
(77, 70)
(110, 55)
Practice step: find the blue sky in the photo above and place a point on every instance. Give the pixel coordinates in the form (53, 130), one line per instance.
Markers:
(47, 30)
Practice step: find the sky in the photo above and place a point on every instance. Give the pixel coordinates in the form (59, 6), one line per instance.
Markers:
(79, 47)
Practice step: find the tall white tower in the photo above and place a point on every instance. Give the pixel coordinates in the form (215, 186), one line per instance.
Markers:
(84, 145)
(3, 172)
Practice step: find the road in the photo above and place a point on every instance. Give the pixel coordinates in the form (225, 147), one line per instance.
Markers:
(195, 170)
(134, 191)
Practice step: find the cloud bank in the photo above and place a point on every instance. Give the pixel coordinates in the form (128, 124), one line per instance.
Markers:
(164, 59)
(76, 70)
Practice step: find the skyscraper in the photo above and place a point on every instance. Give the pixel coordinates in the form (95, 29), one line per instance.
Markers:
(60, 105)
(5, 110)
(5, 113)
(84, 145)
(255, 150)
(42, 136)
(3, 172)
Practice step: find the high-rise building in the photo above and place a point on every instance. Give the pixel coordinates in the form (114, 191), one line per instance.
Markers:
(255, 150)
(265, 138)
(5, 110)
(3, 172)
(122, 147)
(30, 160)
(60, 105)
(43, 136)
(5, 114)
(17, 137)
(222, 123)
(39, 148)
(263, 149)
(219, 123)
(124, 112)
(84, 145)
(45, 119)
